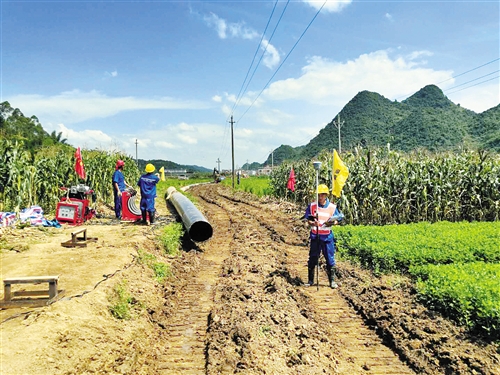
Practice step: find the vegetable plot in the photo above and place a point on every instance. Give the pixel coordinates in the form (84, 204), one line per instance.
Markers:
(456, 266)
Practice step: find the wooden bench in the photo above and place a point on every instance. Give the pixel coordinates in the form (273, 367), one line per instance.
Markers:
(51, 294)
(79, 241)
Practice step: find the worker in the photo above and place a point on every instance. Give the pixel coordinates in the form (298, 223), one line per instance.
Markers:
(119, 186)
(321, 236)
(147, 184)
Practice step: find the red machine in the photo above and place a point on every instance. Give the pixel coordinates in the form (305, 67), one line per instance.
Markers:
(74, 207)
(130, 212)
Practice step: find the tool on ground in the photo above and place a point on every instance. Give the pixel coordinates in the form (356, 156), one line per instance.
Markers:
(81, 241)
(75, 207)
(130, 212)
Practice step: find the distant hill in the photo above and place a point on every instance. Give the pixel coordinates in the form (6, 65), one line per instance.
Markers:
(158, 163)
(427, 119)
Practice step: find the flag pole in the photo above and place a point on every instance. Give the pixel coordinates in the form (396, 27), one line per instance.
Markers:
(317, 166)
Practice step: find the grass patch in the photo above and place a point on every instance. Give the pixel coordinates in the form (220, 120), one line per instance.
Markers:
(161, 270)
(121, 302)
(257, 185)
(170, 238)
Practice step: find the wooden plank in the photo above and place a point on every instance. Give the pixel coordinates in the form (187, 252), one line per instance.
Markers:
(84, 230)
(30, 279)
(79, 241)
(28, 293)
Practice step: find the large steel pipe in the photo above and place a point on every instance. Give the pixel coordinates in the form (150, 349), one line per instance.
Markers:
(197, 226)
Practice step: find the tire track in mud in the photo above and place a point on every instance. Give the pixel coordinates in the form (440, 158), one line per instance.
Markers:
(358, 349)
(183, 345)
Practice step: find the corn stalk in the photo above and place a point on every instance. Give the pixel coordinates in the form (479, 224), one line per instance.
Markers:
(390, 187)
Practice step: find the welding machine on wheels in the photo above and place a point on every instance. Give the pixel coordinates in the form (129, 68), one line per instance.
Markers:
(74, 208)
(130, 212)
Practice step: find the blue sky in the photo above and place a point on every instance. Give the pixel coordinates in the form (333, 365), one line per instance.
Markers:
(171, 73)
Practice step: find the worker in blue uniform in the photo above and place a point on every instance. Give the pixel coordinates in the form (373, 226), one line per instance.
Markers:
(147, 184)
(119, 186)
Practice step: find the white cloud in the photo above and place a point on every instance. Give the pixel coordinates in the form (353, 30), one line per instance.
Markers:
(274, 117)
(271, 55)
(163, 144)
(186, 138)
(112, 74)
(389, 17)
(329, 5)
(478, 98)
(77, 106)
(239, 30)
(218, 24)
(325, 82)
(86, 138)
(233, 30)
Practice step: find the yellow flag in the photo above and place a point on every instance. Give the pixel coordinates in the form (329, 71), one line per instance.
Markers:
(162, 173)
(340, 174)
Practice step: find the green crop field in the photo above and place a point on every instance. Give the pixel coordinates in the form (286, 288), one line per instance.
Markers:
(259, 186)
(455, 266)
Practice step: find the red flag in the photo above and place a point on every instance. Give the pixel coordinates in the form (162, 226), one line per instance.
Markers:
(290, 185)
(79, 169)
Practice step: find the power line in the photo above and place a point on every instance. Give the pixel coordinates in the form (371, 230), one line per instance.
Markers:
(472, 80)
(254, 56)
(286, 57)
(468, 71)
(264, 52)
(238, 98)
(479, 83)
(458, 75)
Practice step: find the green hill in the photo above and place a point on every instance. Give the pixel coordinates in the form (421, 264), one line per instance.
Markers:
(427, 119)
(487, 128)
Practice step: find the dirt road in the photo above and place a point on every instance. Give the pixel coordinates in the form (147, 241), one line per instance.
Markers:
(234, 304)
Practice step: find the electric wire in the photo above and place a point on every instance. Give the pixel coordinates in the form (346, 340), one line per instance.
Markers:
(243, 87)
(284, 60)
(253, 59)
(472, 80)
(468, 71)
(458, 75)
(479, 83)
(264, 52)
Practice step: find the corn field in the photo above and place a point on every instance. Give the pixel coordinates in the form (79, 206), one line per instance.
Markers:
(387, 187)
(36, 179)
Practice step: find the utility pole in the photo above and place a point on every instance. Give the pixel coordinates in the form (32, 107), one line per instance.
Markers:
(272, 159)
(232, 146)
(338, 125)
(136, 160)
(218, 165)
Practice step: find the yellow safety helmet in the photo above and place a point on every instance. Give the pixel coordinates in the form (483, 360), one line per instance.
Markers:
(323, 189)
(150, 168)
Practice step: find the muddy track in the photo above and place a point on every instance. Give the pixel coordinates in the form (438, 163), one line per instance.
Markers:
(239, 306)
(182, 343)
(361, 349)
